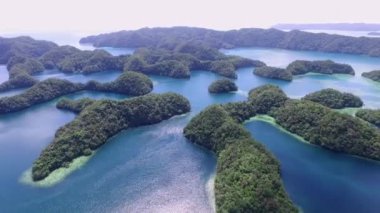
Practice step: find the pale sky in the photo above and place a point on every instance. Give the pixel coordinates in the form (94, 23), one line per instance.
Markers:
(109, 15)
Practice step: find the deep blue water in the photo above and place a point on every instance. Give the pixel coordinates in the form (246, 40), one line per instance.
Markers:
(154, 169)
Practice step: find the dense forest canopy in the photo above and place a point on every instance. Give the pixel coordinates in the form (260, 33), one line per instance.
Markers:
(247, 177)
(330, 129)
(370, 115)
(266, 97)
(75, 106)
(101, 120)
(293, 40)
(41, 92)
(300, 67)
(128, 83)
(274, 73)
(222, 86)
(334, 99)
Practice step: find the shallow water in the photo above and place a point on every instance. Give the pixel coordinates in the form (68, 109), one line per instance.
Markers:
(154, 169)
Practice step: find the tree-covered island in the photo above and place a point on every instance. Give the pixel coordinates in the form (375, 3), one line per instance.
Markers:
(128, 83)
(373, 75)
(247, 177)
(222, 86)
(101, 120)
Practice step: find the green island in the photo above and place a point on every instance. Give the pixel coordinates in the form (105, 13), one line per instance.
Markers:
(222, 86)
(370, 115)
(316, 123)
(334, 99)
(301, 67)
(274, 73)
(128, 83)
(41, 92)
(248, 37)
(373, 75)
(101, 120)
(248, 177)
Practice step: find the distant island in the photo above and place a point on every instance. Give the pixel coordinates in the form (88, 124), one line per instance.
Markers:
(330, 26)
(128, 83)
(374, 33)
(101, 120)
(249, 37)
(301, 67)
(222, 86)
(373, 75)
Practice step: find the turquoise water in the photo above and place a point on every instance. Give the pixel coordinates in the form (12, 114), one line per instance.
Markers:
(154, 169)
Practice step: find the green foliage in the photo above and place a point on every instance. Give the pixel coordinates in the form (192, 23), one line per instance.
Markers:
(370, 115)
(330, 129)
(274, 73)
(52, 58)
(272, 38)
(91, 61)
(41, 92)
(300, 67)
(240, 111)
(267, 97)
(201, 128)
(222, 86)
(178, 59)
(248, 178)
(102, 120)
(22, 80)
(334, 99)
(129, 83)
(172, 68)
(75, 106)
(24, 47)
(344, 133)
(373, 75)
(224, 68)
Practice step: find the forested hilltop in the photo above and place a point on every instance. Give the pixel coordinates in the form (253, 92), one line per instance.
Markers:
(293, 40)
(22, 46)
(101, 120)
